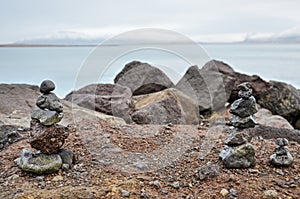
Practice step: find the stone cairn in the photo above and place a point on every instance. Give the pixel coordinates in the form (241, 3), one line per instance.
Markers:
(238, 152)
(47, 136)
(281, 156)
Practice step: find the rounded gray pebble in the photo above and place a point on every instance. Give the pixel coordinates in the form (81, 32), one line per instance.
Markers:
(47, 86)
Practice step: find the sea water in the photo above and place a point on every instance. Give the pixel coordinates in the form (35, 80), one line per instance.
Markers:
(73, 67)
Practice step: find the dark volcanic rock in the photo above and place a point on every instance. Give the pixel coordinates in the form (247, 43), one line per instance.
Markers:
(208, 171)
(47, 86)
(142, 78)
(48, 139)
(8, 135)
(244, 107)
(167, 106)
(50, 102)
(67, 157)
(209, 88)
(106, 98)
(239, 157)
(259, 85)
(237, 137)
(282, 99)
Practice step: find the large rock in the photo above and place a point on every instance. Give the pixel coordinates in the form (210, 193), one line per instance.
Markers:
(18, 101)
(208, 87)
(258, 84)
(142, 78)
(39, 163)
(167, 106)
(48, 139)
(106, 98)
(265, 117)
(282, 99)
(239, 157)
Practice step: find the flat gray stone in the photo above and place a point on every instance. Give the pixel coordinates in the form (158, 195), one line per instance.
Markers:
(46, 117)
(237, 137)
(39, 163)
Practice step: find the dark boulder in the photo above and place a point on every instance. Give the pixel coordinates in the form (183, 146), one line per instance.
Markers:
(258, 84)
(106, 98)
(207, 86)
(282, 99)
(142, 78)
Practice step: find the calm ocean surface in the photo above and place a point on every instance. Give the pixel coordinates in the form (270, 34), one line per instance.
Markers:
(74, 67)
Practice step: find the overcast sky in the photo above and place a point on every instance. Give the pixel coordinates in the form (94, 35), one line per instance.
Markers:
(210, 20)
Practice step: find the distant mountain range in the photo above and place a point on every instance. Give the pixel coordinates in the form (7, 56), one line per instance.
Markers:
(78, 38)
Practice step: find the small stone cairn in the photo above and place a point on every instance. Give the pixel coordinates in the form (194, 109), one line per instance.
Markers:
(281, 156)
(47, 136)
(238, 152)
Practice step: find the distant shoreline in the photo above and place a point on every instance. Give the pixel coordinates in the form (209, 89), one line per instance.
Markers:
(101, 44)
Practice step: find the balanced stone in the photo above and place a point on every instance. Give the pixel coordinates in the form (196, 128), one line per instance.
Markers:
(238, 157)
(47, 86)
(282, 156)
(237, 137)
(39, 163)
(49, 102)
(243, 109)
(48, 139)
(46, 118)
(245, 90)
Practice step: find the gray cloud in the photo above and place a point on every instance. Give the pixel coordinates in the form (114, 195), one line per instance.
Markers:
(34, 18)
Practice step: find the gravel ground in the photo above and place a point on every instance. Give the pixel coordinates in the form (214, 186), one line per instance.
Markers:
(150, 161)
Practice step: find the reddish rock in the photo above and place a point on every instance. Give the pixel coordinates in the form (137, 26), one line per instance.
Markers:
(48, 139)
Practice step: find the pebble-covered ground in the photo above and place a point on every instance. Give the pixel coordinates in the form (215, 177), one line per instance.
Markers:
(131, 161)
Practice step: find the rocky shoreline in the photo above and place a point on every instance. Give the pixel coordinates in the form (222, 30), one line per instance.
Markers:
(148, 138)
